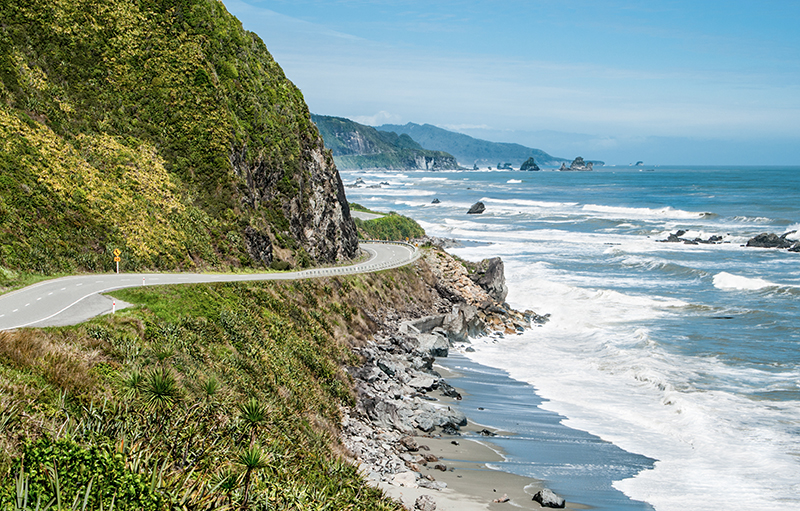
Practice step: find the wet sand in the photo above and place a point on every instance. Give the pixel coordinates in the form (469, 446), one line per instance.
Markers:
(471, 484)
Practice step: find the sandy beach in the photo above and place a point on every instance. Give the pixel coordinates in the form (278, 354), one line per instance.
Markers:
(471, 484)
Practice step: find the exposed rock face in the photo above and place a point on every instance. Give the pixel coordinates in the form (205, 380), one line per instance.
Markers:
(356, 143)
(332, 232)
(546, 498)
(258, 245)
(434, 163)
(399, 393)
(529, 164)
(490, 275)
(772, 240)
(317, 214)
(356, 146)
(477, 208)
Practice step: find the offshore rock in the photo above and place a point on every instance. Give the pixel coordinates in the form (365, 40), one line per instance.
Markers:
(477, 208)
(577, 164)
(771, 240)
(529, 164)
(677, 237)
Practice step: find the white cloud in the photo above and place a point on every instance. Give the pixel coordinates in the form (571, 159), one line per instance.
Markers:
(381, 117)
(464, 127)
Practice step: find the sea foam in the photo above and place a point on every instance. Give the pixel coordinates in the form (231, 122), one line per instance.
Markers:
(727, 281)
(721, 449)
(659, 213)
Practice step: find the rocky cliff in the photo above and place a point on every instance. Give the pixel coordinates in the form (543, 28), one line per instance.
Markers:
(160, 128)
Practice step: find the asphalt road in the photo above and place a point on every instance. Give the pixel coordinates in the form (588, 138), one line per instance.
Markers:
(71, 300)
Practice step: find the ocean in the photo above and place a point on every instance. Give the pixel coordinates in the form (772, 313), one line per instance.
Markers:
(668, 377)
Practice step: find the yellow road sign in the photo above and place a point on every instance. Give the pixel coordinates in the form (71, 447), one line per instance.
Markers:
(116, 259)
(117, 252)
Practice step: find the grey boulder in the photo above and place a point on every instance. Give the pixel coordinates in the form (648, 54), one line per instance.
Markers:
(546, 498)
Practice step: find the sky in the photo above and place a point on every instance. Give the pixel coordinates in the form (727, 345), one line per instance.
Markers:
(666, 82)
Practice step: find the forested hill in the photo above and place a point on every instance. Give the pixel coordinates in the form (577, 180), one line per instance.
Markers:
(161, 128)
(357, 146)
(468, 150)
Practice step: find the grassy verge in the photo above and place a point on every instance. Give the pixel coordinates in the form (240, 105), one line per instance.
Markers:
(203, 397)
(358, 207)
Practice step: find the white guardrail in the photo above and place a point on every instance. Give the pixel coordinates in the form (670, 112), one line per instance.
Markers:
(365, 267)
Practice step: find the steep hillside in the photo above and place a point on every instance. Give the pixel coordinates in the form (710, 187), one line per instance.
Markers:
(203, 397)
(160, 128)
(468, 150)
(356, 146)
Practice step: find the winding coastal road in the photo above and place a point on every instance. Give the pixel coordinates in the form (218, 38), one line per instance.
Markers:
(71, 300)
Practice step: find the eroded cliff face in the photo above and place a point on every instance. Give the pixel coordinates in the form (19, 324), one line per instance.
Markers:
(357, 144)
(435, 162)
(330, 233)
(307, 205)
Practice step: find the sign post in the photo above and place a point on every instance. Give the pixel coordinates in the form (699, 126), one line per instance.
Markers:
(116, 257)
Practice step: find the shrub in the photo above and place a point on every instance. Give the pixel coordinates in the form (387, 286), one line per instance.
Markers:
(392, 227)
(64, 470)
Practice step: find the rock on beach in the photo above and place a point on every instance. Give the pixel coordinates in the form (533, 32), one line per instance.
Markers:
(546, 498)
(399, 394)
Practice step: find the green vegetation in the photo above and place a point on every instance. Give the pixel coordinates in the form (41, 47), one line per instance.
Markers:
(468, 149)
(356, 146)
(391, 227)
(354, 206)
(216, 396)
(160, 128)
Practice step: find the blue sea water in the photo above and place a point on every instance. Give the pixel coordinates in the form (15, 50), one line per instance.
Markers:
(686, 357)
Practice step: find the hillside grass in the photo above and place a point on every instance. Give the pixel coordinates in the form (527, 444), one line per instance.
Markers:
(202, 397)
(163, 129)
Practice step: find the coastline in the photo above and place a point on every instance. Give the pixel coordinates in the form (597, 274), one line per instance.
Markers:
(473, 481)
(407, 432)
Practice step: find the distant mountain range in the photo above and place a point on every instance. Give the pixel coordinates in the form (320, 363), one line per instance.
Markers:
(471, 151)
(356, 146)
